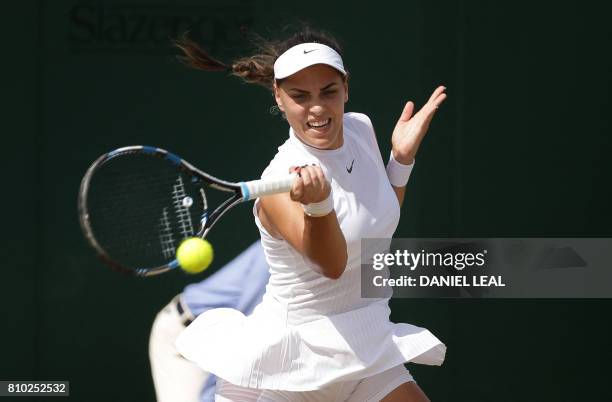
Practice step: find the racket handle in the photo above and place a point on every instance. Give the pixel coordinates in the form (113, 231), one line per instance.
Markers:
(258, 188)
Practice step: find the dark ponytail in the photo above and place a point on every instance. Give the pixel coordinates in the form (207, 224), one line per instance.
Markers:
(194, 56)
(259, 67)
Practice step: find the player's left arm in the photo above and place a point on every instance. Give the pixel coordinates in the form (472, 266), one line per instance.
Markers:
(410, 131)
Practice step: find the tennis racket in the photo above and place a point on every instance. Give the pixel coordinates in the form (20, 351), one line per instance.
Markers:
(137, 203)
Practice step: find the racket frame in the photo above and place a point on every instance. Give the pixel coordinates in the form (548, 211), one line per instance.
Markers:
(242, 192)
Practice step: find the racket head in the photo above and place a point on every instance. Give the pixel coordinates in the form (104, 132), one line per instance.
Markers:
(138, 203)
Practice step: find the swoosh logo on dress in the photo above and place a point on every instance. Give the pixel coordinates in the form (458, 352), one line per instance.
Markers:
(349, 170)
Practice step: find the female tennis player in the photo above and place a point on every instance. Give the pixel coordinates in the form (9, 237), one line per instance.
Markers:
(313, 338)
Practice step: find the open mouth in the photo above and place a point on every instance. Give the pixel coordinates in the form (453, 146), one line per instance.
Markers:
(319, 124)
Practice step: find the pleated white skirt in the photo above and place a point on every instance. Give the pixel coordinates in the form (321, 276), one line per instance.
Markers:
(262, 351)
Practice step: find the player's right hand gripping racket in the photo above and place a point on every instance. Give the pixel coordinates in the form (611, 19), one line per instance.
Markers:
(137, 203)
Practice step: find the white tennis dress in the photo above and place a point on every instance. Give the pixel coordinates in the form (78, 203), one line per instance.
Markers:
(310, 331)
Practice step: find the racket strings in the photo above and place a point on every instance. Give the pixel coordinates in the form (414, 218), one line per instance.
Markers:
(166, 238)
(143, 207)
(181, 205)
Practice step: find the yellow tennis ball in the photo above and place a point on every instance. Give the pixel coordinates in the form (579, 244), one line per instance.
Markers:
(194, 255)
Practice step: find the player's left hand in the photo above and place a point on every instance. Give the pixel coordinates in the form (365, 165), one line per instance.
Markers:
(410, 130)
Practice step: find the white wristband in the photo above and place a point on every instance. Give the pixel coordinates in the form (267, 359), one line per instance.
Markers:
(321, 208)
(397, 173)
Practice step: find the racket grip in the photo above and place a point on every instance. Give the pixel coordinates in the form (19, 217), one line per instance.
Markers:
(258, 188)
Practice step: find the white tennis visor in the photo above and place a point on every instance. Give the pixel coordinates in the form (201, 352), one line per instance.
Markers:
(305, 55)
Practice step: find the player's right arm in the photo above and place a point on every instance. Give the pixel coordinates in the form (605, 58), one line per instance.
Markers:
(319, 239)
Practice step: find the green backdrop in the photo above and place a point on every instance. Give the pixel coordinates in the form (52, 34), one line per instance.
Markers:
(520, 148)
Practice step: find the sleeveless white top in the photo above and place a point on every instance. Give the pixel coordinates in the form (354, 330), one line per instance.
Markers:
(310, 331)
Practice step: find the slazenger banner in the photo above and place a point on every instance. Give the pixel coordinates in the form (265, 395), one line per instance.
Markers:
(487, 268)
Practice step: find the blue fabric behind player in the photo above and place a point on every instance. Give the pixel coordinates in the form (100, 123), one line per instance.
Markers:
(240, 284)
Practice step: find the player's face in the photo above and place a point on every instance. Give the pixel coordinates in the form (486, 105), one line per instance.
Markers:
(313, 102)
